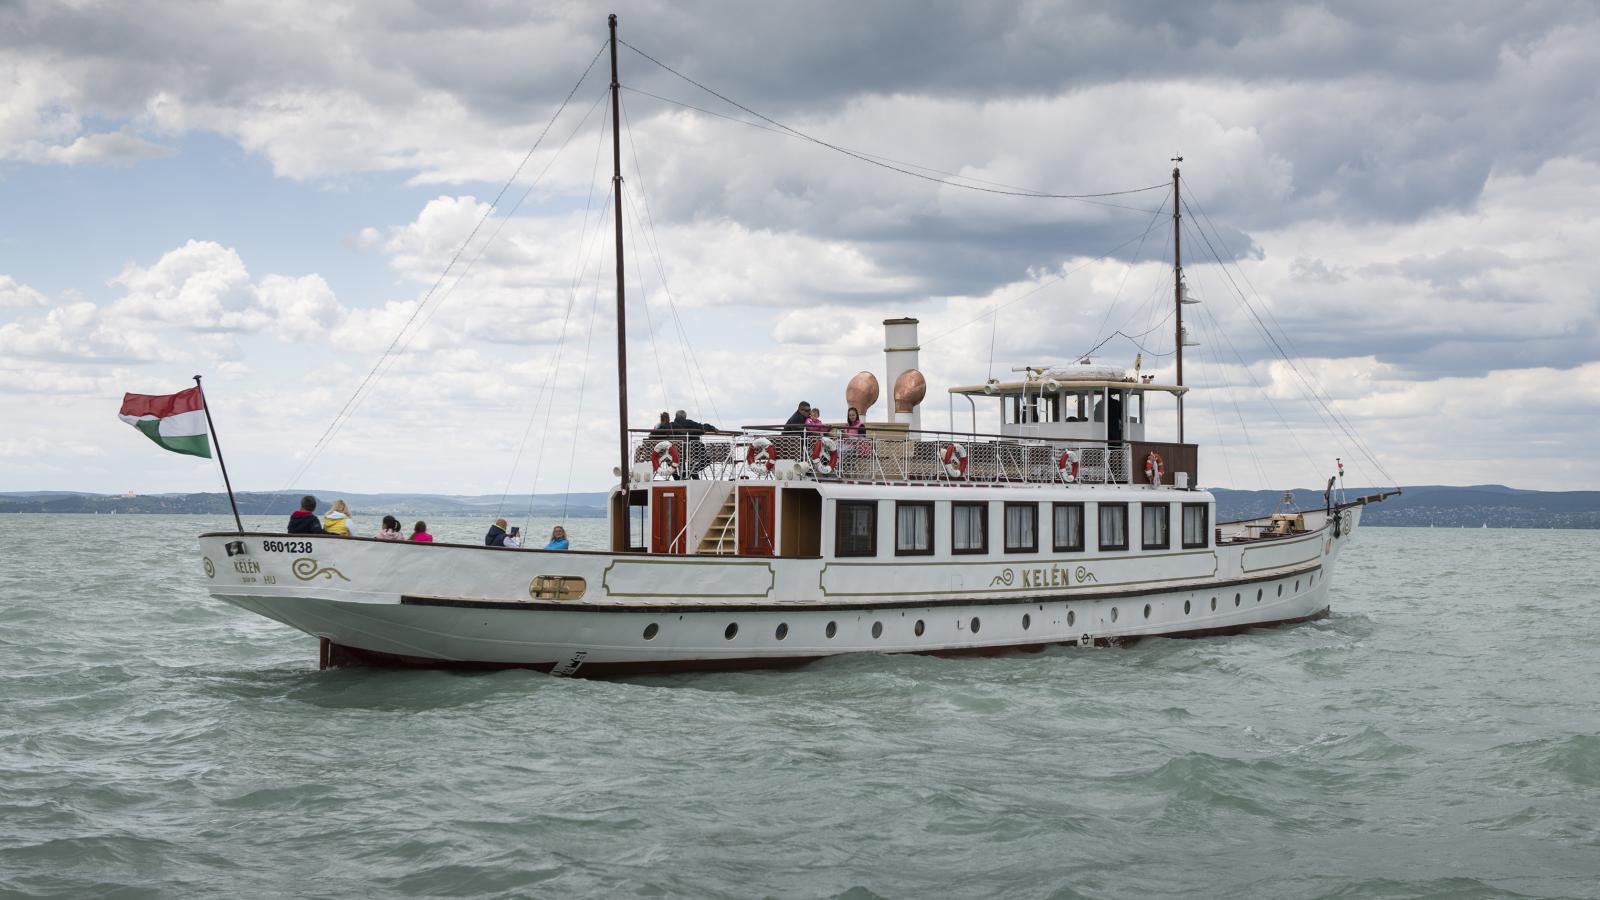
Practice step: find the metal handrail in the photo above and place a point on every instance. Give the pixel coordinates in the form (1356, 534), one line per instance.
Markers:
(897, 458)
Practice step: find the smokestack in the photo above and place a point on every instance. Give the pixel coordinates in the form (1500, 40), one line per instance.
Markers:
(900, 356)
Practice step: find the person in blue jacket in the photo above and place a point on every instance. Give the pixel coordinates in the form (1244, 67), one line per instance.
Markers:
(558, 539)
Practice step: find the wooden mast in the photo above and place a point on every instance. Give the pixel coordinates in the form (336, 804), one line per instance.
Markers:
(622, 313)
(1177, 287)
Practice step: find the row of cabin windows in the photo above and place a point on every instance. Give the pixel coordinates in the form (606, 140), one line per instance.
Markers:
(857, 527)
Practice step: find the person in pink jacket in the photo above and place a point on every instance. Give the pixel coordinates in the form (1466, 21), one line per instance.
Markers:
(419, 532)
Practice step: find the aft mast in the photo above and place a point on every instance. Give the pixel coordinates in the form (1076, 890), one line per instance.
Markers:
(1177, 288)
(622, 314)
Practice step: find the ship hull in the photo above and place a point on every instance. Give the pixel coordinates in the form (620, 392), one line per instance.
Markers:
(373, 602)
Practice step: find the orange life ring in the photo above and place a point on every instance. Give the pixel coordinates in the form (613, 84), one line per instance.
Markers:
(1067, 465)
(954, 458)
(667, 450)
(824, 455)
(761, 455)
(1153, 467)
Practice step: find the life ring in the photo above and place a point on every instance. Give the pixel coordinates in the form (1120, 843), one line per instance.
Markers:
(1067, 466)
(955, 460)
(761, 455)
(824, 455)
(1153, 467)
(664, 456)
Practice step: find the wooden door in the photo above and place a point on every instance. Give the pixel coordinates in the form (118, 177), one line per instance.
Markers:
(756, 534)
(668, 509)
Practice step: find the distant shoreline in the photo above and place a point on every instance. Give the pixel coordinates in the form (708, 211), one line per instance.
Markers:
(1421, 506)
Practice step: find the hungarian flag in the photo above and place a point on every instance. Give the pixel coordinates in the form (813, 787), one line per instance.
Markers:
(175, 421)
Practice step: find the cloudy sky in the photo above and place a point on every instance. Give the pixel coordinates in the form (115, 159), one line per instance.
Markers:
(272, 195)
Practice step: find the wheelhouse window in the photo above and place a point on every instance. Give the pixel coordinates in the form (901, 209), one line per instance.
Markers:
(969, 528)
(856, 528)
(1113, 526)
(1155, 526)
(913, 528)
(1196, 525)
(1022, 527)
(1068, 527)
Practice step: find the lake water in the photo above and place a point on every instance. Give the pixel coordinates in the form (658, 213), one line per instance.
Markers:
(1438, 736)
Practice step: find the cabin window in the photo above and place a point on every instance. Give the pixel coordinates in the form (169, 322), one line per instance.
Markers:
(1022, 527)
(913, 528)
(1155, 525)
(1069, 527)
(1195, 525)
(1113, 526)
(969, 528)
(1074, 406)
(856, 528)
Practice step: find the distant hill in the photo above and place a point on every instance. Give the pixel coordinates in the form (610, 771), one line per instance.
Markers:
(1421, 506)
(250, 503)
(1443, 506)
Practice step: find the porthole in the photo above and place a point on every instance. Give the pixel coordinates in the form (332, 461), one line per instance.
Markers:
(1213, 604)
(1027, 620)
(1297, 585)
(877, 630)
(1258, 595)
(1235, 599)
(732, 629)
(651, 630)
(832, 629)
(918, 628)
(1147, 610)
(1280, 590)
(1113, 613)
(1186, 607)
(1072, 618)
(975, 624)
(782, 632)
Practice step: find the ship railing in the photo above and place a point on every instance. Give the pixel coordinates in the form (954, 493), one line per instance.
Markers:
(878, 457)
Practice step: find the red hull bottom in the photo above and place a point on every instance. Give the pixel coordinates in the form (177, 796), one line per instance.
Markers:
(338, 655)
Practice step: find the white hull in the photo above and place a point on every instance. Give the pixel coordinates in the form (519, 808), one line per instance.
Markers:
(440, 604)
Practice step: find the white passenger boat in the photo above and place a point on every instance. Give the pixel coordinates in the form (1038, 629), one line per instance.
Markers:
(764, 547)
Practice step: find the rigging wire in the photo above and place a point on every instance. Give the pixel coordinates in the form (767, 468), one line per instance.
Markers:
(583, 384)
(1132, 264)
(566, 316)
(1021, 297)
(1317, 395)
(890, 166)
(1021, 191)
(655, 254)
(328, 433)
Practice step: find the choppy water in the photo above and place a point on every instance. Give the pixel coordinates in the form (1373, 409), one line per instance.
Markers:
(1439, 736)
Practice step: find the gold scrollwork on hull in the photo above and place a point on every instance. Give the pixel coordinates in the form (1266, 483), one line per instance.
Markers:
(305, 568)
(557, 587)
(1004, 578)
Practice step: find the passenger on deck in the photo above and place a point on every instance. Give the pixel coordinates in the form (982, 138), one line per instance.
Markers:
(419, 532)
(497, 534)
(304, 520)
(338, 520)
(797, 422)
(390, 530)
(814, 423)
(558, 539)
(695, 456)
(663, 429)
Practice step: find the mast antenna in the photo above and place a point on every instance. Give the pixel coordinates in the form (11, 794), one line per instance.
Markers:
(622, 310)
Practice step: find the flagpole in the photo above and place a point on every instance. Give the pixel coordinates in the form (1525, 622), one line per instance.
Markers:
(218, 444)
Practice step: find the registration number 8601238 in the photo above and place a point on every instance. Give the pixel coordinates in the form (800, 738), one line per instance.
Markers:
(286, 546)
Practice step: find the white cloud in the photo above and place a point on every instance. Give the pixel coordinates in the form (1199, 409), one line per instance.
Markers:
(14, 294)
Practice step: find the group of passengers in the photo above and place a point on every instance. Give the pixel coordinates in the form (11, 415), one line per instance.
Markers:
(338, 521)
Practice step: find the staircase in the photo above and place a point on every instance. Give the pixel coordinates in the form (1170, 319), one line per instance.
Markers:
(722, 535)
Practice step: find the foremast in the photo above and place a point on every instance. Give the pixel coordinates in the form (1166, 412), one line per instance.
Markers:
(622, 313)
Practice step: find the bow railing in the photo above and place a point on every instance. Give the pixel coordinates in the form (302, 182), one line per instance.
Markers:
(878, 457)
